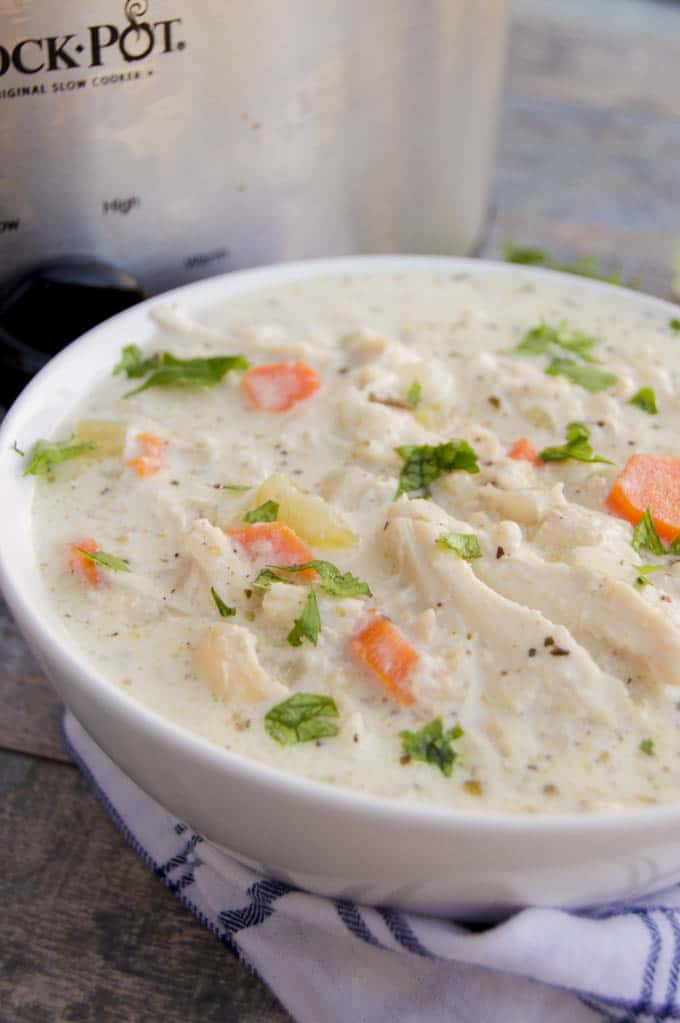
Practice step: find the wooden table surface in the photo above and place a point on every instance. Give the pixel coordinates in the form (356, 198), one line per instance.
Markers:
(588, 164)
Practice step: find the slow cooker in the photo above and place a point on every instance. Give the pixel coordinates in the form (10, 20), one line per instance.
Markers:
(147, 143)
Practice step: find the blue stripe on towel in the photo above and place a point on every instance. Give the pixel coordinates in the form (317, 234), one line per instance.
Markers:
(401, 930)
(672, 988)
(355, 923)
(263, 895)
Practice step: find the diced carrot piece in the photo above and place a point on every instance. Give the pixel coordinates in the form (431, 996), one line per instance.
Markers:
(649, 481)
(524, 451)
(279, 386)
(384, 650)
(151, 444)
(151, 455)
(274, 543)
(81, 565)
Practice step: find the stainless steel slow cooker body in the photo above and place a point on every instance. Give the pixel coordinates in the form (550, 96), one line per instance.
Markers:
(176, 139)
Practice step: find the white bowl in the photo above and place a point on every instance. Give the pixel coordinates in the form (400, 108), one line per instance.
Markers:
(327, 840)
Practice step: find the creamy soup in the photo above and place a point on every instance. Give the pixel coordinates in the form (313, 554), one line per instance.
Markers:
(399, 544)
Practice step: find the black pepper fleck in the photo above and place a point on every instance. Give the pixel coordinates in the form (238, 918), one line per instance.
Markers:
(406, 759)
(500, 553)
(248, 593)
(548, 641)
(532, 651)
(559, 651)
(494, 401)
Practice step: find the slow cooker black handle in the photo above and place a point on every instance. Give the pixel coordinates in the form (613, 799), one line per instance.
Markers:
(45, 308)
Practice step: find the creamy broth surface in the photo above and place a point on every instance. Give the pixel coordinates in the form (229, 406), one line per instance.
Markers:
(549, 650)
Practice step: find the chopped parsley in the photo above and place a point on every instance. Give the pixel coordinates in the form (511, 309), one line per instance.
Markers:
(645, 536)
(105, 560)
(266, 577)
(15, 447)
(571, 354)
(674, 324)
(645, 399)
(432, 745)
(224, 610)
(465, 545)
(300, 718)
(164, 370)
(332, 580)
(237, 488)
(544, 339)
(425, 463)
(647, 747)
(308, 625)
(266, 512)
(414, 394)
(643, 571)
(133, 363)
(577, 447)
(584, 266)
(45, 456)
(590, 378)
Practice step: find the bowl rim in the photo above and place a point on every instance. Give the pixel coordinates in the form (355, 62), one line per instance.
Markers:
(344, 800)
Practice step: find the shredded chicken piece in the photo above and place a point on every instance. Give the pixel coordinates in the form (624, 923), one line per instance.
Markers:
(444, 580)
(220, 566)
(527, 505)
(226, 659)
(282, 604)
(594, 608)
(379, 429)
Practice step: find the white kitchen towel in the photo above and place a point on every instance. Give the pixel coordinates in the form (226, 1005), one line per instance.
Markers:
(337, 962)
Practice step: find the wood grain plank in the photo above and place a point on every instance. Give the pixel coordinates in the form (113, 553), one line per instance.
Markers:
(593, 62)
(88, 933)
(29, 707)
(589, 158)
(584, 169)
